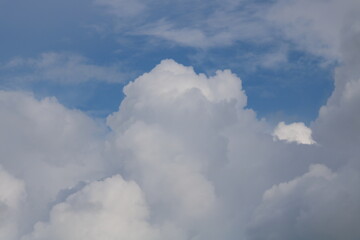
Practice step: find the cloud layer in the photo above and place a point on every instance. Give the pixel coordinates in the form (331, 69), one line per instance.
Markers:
(183, 159)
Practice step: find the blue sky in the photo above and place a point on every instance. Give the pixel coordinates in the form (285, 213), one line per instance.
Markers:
(283, 80)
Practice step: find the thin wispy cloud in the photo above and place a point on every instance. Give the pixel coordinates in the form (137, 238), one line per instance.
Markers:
(191, 23)
(63, 68)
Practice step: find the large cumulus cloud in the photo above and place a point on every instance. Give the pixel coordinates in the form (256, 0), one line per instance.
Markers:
(48, 148)
(183, 158)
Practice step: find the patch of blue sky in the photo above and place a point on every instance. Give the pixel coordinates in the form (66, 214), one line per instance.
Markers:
(97, 99)
(293, 93)
(31, 27)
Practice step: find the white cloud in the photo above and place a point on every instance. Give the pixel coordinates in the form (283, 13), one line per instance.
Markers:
(273, 59)
(197, 164)
(122, 8)
(11, 189)
(316, 26)
(171, 80)
(12, 195)
(65, 68)
(294, 132)
(184, 36)
(110, 209)
(49, 148)
(176, 133)
(169, 126)
(214, 23)
(311, 206)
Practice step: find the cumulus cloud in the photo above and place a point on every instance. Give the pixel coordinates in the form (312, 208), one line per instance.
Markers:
(109, 209)
(311, 206)
(64, 68)
(294, 132)
(48, 148)
(173, 150)
(183, 158)
(12, 195)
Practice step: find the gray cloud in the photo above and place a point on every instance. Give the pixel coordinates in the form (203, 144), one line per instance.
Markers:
(316, 26)
(12, 196)
(320, 204)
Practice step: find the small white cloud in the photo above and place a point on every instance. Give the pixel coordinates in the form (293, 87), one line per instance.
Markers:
(294, 132)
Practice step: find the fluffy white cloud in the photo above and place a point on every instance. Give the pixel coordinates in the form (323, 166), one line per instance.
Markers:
(198, 164)
(168, 132)
(65, 68)
(11, 189)
(294, 132)
(172, 80)
(110, 209)
(200, 157)
(48, 147)
(12, 195)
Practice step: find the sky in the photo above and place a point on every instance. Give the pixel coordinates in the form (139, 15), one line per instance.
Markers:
(182, 120)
